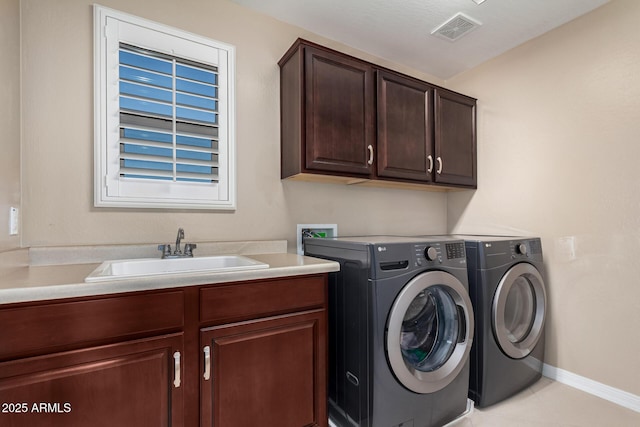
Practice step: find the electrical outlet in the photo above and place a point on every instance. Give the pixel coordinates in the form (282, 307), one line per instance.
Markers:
(13, 221)
(314, 230)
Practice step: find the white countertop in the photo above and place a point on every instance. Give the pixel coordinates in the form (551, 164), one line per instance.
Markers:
(37, 283)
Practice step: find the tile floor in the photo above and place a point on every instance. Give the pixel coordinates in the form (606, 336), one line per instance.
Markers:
(551, 404)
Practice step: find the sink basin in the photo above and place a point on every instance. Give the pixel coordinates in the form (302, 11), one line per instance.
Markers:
(131, 268)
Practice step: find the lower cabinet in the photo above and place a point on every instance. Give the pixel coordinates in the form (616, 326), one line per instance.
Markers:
(268, 370)
(226, 355)
(135, 383)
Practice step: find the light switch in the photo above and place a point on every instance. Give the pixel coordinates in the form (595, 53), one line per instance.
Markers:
(13, 221)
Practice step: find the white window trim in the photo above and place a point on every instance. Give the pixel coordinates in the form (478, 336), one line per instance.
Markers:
(171, 195)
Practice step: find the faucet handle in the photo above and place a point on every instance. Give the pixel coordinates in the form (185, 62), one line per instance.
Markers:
(166, 250)
(188, 249)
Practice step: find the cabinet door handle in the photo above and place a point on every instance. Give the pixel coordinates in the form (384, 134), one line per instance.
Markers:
(176, 369)
(430, 158)
(207, 363)
(370, 148)
(439, 160)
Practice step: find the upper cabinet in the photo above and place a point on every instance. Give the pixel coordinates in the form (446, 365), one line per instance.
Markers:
(404, 128)
(346, 120)
(327, 113)
(455, 138)
(338, 113)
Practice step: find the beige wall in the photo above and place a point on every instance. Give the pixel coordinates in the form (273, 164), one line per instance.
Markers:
(558, 150)
(9, 118)
(58, 138)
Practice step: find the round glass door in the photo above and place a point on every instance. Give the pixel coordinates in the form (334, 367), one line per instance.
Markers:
(519, 310)
(430, 329)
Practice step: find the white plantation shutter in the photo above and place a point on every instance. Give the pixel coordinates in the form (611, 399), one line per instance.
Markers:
(164, 131)
(168, 117)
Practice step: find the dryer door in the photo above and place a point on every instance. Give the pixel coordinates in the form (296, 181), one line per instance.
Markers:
(429, 332)
(519, 310)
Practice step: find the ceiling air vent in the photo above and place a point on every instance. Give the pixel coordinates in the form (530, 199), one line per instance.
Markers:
(456, 27)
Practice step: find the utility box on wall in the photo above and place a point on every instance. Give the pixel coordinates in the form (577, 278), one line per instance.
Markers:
(314, 230)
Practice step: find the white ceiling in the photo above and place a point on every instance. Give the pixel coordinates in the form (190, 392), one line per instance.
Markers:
(400, 30)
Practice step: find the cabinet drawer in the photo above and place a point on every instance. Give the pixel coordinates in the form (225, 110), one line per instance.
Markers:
(49, 327)
(222, 304)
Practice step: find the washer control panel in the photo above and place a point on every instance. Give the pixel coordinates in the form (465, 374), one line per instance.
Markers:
(427, 254)
(431, 253)
(439, 252)
(455, 250)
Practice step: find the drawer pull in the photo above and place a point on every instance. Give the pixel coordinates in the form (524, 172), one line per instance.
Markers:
(430, 158)
(370, 148)
(439, 160)
(207, 363)
(176, 369)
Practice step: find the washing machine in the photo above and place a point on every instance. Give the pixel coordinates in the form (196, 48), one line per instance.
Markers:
(400, 330)
(507, 290)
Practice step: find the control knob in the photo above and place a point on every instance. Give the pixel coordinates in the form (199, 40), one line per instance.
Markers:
(431, 253)
(521, 248)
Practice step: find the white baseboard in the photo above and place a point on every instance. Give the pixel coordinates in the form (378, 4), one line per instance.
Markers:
(617, 396)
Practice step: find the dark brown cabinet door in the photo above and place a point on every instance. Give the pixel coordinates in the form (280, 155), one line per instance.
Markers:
(339, 113)
(327, 113)
(405, 128)
(136, 383)
(270, 373)
(455, 139)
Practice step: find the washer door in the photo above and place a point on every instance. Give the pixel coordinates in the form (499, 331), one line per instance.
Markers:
(429, 332)
(519, 310)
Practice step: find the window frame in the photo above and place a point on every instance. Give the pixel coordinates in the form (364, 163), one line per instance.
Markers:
(111, 28)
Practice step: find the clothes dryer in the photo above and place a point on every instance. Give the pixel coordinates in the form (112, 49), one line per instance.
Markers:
(400, 330)
(507, 289)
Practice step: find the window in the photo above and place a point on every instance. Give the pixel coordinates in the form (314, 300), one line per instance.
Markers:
(164, 116)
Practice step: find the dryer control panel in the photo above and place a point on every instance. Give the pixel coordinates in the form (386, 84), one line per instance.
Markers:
(495, 252)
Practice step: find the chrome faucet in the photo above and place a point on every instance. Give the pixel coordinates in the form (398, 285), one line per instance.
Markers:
(177, 253)
(179, 237)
